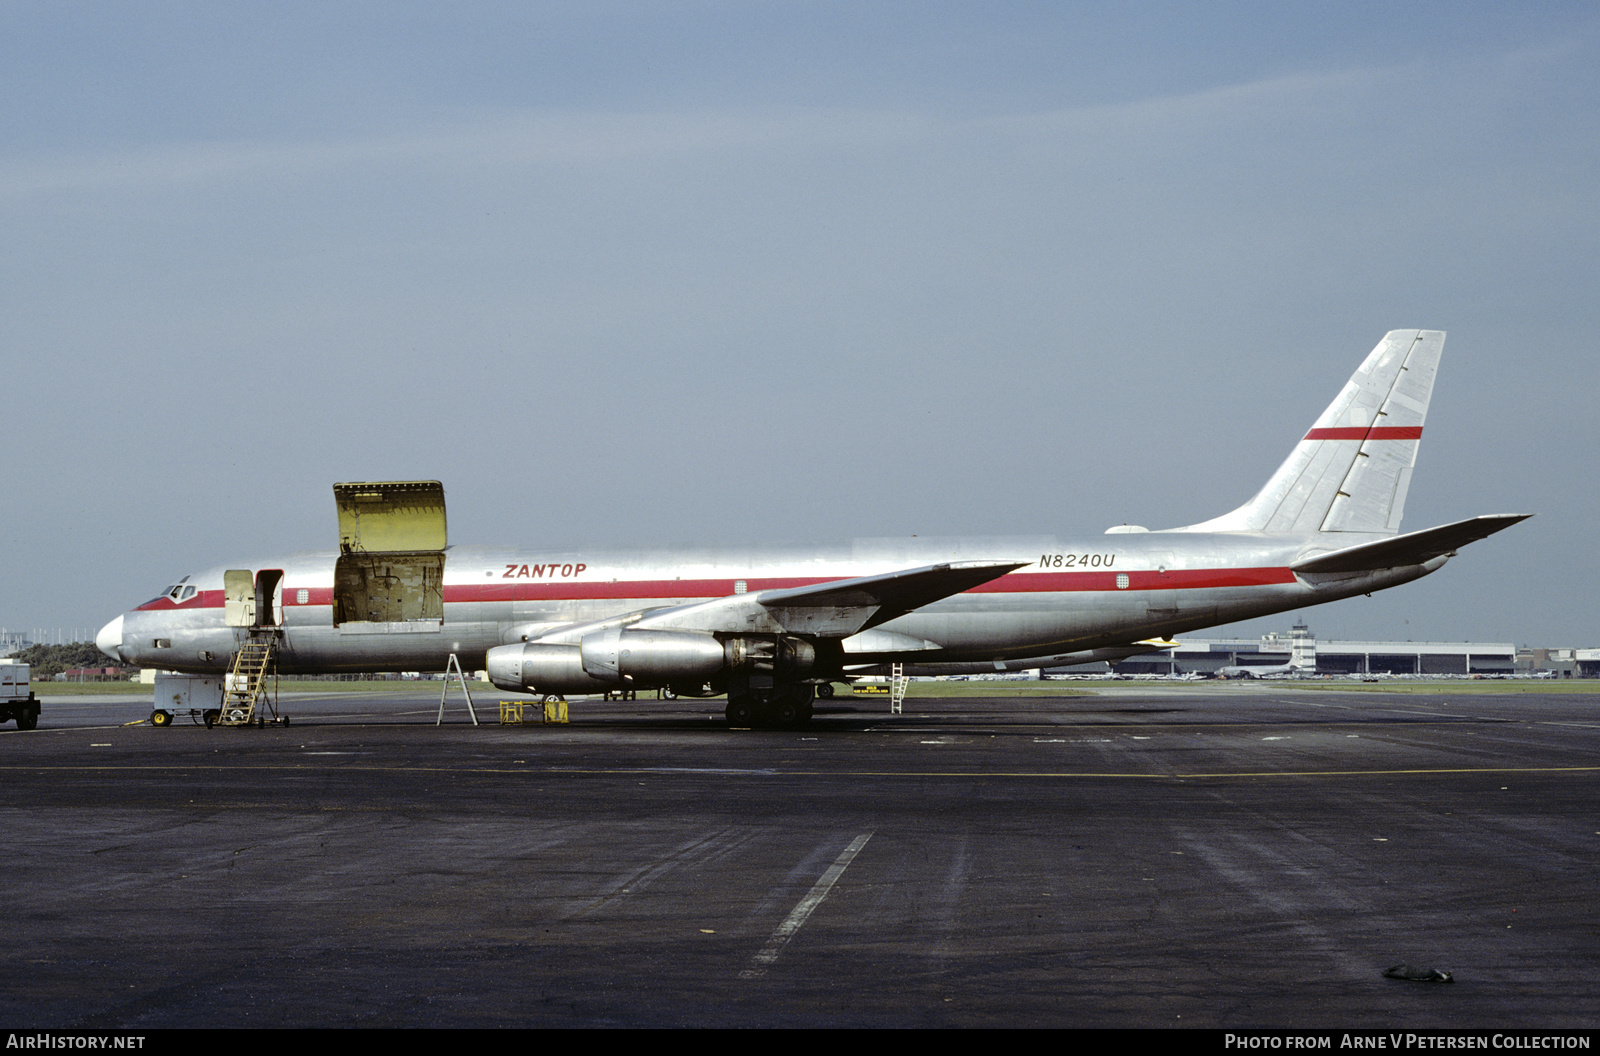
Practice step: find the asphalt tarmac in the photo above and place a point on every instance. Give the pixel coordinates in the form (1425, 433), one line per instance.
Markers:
(1222, 856)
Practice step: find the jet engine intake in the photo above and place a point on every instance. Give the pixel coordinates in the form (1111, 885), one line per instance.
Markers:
(544, 668)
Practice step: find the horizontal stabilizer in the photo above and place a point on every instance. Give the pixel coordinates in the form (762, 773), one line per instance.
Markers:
(1414, 548)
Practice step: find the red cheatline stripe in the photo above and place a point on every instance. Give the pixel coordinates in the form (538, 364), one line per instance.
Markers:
(1172, 579)
(1039, 582)
(1361, 432)
(676, 589)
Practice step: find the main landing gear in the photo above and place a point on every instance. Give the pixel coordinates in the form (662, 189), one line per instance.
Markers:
(781, 707)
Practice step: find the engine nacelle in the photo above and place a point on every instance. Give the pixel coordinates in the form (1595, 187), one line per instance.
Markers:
(784, 657)
(544, 668)
(652, 657)
(616, 657)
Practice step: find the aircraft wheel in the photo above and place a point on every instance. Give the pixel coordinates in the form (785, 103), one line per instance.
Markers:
(789, 709)
(160, 718)
(212, 715)
(741, 713)
(786, 714)
(668, 693)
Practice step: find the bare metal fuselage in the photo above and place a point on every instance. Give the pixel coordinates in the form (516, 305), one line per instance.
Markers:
(1071, 596)
(769, 627)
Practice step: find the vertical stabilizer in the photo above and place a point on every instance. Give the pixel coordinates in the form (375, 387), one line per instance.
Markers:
(1350, 472)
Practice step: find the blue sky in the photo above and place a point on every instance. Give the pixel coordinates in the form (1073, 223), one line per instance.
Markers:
(640, 274)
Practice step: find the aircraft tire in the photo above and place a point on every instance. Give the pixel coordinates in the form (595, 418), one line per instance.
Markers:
(160, 718)
(741, 713)
(790, 709)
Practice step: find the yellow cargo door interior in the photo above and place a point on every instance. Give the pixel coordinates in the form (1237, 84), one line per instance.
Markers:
(390, 572)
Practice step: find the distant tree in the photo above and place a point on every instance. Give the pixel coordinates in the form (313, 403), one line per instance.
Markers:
(48, 661)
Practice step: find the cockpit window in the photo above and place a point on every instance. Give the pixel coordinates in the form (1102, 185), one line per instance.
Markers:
(177, 593)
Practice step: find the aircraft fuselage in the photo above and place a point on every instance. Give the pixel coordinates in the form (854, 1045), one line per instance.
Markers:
(1071, 596)
(769, 627)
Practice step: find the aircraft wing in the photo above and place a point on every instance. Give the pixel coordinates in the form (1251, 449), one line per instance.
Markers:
(835, 609)
(1413, 548)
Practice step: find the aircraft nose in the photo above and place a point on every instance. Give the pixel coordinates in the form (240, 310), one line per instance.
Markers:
(109, 640)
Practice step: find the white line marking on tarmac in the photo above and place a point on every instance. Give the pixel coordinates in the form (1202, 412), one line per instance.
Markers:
(1399, 711)
(698, 770)
(75, 729)
(802, 910)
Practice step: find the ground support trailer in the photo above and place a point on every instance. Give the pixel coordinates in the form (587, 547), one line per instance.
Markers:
(16, 696)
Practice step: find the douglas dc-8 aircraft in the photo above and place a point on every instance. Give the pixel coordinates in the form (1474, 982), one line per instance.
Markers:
(768, 627)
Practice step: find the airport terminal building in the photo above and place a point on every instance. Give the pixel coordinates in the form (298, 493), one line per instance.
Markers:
(1301, 653)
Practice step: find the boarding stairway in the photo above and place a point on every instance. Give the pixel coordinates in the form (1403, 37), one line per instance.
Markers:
(245, 701)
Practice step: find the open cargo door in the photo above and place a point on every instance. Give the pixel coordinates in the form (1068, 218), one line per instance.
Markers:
(397, 516)
(390, 573)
